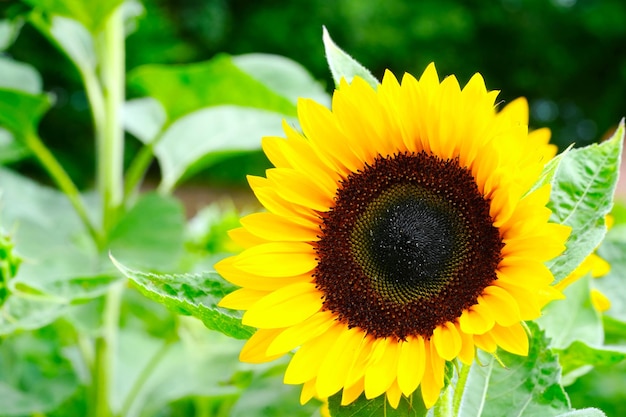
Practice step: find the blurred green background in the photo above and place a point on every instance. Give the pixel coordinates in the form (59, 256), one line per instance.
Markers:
(568, 57)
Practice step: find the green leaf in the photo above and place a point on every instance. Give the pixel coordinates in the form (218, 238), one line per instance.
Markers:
(362, 407)
(11, 150)
(573, 318)
(61, 262)
(585, 412)
(343, 65)
(144, 118)
(23, 311)
(549, 170)
(9, 29)
(285, 77)
(92, 14)
(525, 386)
(35, 376)
(582, 194)
(579, 355)
(184, 89)
(613, 250)
(210, 135)
(70, 37)
(191, 294)
(20, 112)
(19, 76)
(151, 234)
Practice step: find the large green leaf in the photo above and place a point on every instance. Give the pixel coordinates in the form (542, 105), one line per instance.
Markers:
(184, 89)
(19, 76)
(35, 376)
(573, 318)
(580, 355)
(92, 14)
(283, 76)
(204, 137)
(9, 29)
(524, 386)
(343, 65)
(582, 194)
(151, 234)
(20, 112)
(613, 250)
(362, 407)
(585, 412)
(11, 150)
(191, 294)
(144, 118)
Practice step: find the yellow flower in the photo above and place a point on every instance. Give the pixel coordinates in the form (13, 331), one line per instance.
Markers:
(400, 233)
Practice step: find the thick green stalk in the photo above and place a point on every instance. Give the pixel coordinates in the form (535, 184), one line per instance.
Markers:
(110, 141)
(63, 181)
(104, 350)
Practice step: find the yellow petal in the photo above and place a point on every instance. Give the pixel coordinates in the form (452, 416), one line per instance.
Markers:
(255, 282)
(468, 351)
(360, 360)
(351, 393)
(308, 391)
(382, 372)
(411, 364)
(277, 259)
(393, 395)
(512, 338)
(254, 351)
(447, 341)
(270, 226)
(600, 301)
(301, 333)
(485, 342)
(334, 369)
(432, 383)
(504, 308)
(305, 363)
(476, 320)
(296, 187)
(244, 238)
(242, 299)
(284, 307)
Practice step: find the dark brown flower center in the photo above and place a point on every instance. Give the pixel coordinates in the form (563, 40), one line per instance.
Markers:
(408, 246)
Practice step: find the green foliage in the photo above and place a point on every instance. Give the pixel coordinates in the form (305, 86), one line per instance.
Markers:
(77, 340)
(582, 195)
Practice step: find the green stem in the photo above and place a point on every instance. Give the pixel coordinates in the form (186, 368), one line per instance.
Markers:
(143, 377)
(110, 141)
(63, 181)
(460, 388)
(105, 348)
(137, 169)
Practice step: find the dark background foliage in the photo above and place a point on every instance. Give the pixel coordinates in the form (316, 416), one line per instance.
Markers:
(568, 57)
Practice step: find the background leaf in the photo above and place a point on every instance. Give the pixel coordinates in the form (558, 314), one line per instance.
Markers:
(35, 377)
(579, 355)
(343, 65)
(362, 407)
(184, 89)
(525, 386)
(20, 112)
(582, 194)
(19, 76)
(573, 318)
(151, 233)
(191, 294)
(92, 14)
(210, 135)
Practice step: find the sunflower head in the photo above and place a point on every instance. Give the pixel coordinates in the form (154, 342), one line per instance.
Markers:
(400, 232)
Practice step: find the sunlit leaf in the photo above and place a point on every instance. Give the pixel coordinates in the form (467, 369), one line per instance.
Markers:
(285, 77)
(144, 118)
(525, 386)
(11, 150)
(150, 234)
(579, 355)
(27, 312)
(191, 294)
(35, 376)
(343, 65)
(573, 318)
(9, 29)
(19, 76)
(585, 412)
(92, 14)
(210, 135)
(184, 89)
(70, 37)
(582, 194)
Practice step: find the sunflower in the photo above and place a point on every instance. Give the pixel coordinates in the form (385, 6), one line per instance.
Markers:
(402, 231)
